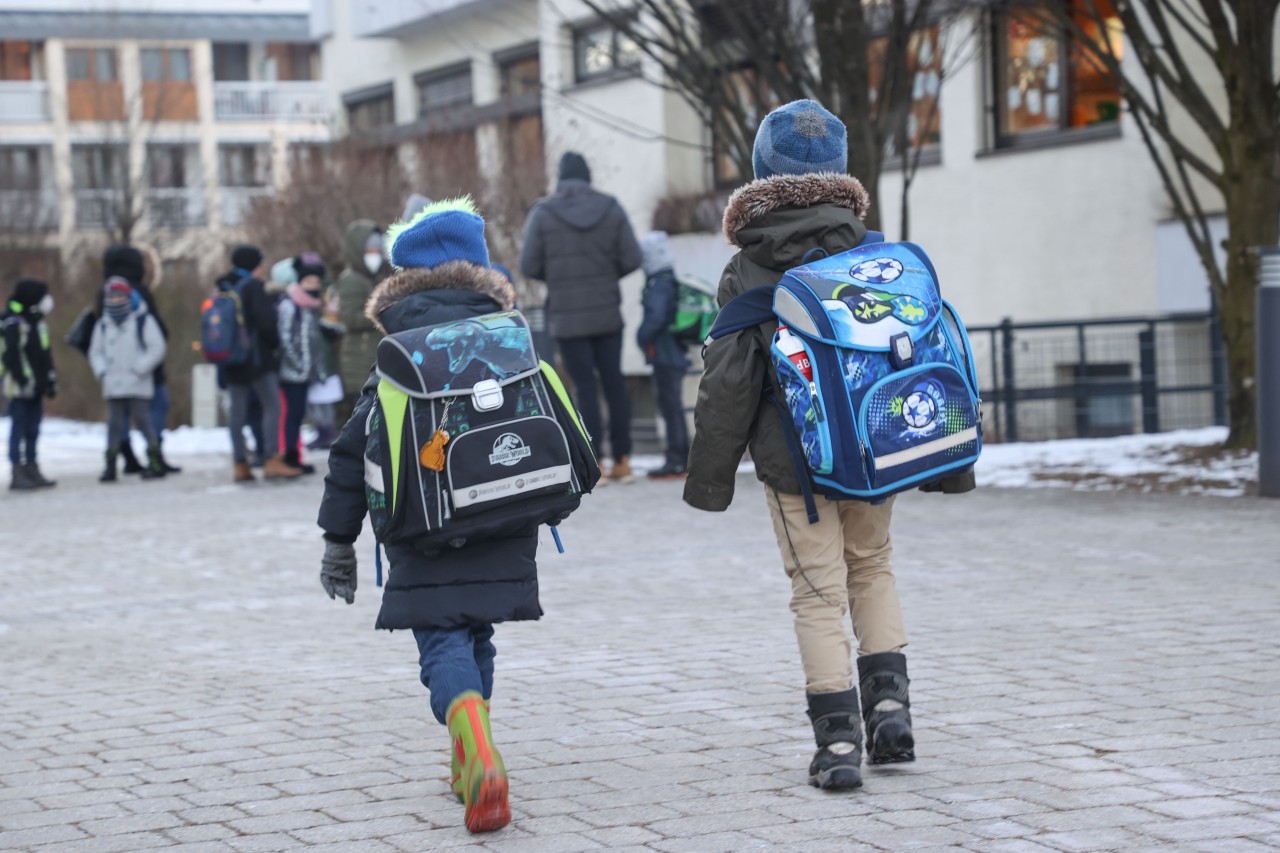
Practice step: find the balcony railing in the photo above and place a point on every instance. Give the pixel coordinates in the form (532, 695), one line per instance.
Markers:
(236, 201)
(23, 101)
(257, 101)
(176, 207)
(100, 208)
(28, 210)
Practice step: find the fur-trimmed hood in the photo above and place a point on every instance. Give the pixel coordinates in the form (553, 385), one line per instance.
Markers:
(454, 275)
(758, 198)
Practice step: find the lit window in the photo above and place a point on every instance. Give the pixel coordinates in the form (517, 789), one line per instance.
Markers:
(1043, 83)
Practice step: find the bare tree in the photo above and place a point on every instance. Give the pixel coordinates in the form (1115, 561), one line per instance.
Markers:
(732, 60)
(1213, 153)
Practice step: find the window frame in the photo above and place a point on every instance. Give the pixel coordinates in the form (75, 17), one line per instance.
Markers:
(615, 70)
(1064, 133)
(9, 174)
(363, 98)
(447, 73)
(258, 170)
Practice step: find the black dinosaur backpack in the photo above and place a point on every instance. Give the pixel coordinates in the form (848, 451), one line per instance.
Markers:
(472, 436)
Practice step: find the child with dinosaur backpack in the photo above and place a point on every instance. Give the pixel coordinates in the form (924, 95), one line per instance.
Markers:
(461, 417)
(801, 204)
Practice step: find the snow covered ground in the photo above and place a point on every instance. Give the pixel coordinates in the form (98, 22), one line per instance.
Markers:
(1187, 461)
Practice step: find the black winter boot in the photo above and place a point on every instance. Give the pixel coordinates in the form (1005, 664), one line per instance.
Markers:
(22, 481)
(886, 708)
(155, 468)
(164, 463)
(837, 729)
(131, 464)
(41, 481)
(293, 460)
(109, 473)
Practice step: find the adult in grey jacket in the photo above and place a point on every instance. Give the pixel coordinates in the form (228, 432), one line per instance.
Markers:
(578, 241)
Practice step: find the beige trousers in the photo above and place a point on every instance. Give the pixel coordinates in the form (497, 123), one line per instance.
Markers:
(838, 566)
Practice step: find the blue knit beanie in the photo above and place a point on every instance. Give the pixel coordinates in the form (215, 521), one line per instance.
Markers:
(799, 138)
(449, 230)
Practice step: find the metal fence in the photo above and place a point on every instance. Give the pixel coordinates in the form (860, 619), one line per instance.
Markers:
(1093, 378)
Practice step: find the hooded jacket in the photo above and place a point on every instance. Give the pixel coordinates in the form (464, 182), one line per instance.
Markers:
(579, 242)
(260, 320)
(355, 286)
(124, 355)
(494, 580)
(773, 222)
(24, 341)
(659, 299)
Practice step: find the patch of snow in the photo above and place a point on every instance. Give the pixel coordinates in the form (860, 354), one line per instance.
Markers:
(1184, 461)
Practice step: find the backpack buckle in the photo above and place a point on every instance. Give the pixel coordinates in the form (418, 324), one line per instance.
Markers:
(902, 352)
(486, 395)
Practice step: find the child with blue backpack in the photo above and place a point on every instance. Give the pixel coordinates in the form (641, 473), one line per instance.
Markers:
(802, 200)
(449, 597)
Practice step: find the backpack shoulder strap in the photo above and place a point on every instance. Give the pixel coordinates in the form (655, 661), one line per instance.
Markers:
(743, 311)
(872, 237)
(140, 322)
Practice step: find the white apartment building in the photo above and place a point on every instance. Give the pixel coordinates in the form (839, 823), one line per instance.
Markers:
(167, 115)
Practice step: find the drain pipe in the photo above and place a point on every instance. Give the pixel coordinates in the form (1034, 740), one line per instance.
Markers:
(1268, 372)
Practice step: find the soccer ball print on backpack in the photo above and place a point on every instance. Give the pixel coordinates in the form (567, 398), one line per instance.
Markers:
(472, 436)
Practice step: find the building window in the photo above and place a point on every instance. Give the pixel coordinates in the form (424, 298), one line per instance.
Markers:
(91, 63)
(371, 109)
(244, 165)
(443, 90)
(601, 51)
(166, 166)
(924, 64)
(231, 61)
(19, 167)
(166, 64)
(98, 167)
(19, 61)
(521, 75)
(1044, 85)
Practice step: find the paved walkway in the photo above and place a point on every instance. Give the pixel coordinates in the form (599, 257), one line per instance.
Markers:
(1090, 672)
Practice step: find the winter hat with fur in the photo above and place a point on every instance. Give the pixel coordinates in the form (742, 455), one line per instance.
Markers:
(799, 138)
(449, 230)
(655, 253)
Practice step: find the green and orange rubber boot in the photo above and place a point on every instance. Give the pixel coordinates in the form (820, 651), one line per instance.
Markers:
(455, 777)
(481, 775)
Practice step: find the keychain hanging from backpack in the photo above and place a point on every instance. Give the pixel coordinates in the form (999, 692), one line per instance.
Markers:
(432, 453)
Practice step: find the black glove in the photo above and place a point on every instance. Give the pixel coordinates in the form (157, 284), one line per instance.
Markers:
(338, 571)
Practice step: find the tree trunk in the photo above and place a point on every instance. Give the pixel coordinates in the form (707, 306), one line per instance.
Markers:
(1253, 221)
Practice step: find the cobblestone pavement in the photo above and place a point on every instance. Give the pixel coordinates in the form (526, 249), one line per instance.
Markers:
(1090, 672)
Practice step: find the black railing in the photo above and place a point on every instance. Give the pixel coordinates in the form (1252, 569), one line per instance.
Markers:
(1100, 377)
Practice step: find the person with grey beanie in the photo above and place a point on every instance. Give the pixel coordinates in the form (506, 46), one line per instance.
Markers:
(803, 200)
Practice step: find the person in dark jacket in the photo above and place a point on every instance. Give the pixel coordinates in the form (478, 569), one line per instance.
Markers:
(29, 376)
(260, 374)
(579, 241)
(801, 200)
(663, 352)
(126, 262)
(450, 598)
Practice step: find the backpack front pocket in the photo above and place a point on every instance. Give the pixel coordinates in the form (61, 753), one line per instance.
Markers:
(508, 461)
(916, 424)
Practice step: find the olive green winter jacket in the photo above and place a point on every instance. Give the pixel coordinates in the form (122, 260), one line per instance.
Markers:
(773, 222)
(355, 285)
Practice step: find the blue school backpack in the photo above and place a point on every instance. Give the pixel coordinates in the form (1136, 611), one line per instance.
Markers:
(893, 399)
(224, 337)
